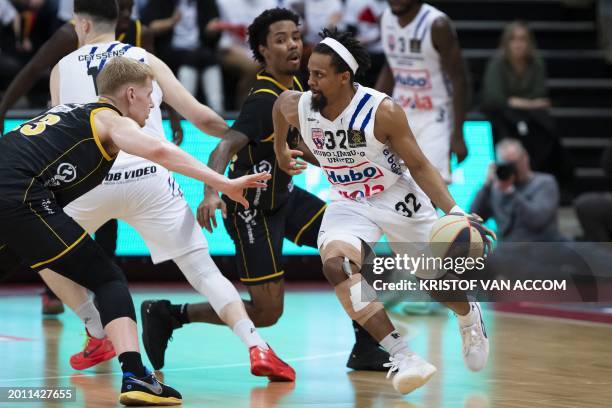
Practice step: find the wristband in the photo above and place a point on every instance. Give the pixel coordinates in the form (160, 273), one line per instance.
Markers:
(456, 210)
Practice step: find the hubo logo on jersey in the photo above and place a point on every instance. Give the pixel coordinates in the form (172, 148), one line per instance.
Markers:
(66, 173)
(318, 137)
(356, 174)
(413, 79)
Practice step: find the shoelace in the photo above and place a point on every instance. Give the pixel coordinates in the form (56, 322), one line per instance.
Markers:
(472, 337)
(394, 363)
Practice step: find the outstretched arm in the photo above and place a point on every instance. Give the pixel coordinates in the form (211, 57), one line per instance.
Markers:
(232, 142)
(61, 43)
(285, 114)
(184, 103)
(120, 133)
(392, 125)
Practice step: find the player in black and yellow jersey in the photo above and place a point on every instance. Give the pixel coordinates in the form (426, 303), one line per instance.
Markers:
(64, 153)
(278, 211)
(63, 42)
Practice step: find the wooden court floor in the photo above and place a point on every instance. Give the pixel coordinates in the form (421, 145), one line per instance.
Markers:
(535, 361)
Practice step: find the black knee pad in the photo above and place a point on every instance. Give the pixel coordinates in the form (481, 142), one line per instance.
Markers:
(114, 301)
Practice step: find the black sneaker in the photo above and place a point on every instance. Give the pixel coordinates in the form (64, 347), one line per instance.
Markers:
(157, 327)
(368, 357)
(147, 390)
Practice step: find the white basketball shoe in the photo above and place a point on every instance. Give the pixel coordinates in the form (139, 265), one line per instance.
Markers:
(474, 338)
(412, 372)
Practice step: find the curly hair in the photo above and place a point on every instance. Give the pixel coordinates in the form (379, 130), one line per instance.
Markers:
(351, 44)
(259, 28)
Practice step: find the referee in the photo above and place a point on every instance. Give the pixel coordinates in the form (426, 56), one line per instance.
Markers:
(281, 210)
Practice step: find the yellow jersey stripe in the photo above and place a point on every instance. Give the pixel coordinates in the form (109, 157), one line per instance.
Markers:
(64, 252)
(317, 215)
(95, 132)
(260, 278)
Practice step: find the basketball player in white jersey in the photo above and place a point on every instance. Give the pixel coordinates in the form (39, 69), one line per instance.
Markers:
(144, 194)
(426, 76)
(361, 139)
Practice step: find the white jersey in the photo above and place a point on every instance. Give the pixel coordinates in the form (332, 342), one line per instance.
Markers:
(78, 71)
(356, 164)
(420, 85)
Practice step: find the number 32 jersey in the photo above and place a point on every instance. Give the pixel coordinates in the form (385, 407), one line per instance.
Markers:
(78, 72)
(357, 165)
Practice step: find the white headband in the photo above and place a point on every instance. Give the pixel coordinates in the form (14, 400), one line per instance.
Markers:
(342, 52)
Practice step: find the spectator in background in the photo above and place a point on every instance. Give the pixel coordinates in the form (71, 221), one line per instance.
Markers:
(9, 36)
(515, 99)
(186, 41)
(594, 210)
(362, 17)
(316, 15)
(234, 53)
(523, 203)
(516, 77)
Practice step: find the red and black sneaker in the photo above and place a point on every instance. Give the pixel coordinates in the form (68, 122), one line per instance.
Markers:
(95, 352)
(265, 363)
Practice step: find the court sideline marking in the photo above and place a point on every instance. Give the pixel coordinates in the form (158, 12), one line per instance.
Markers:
(212, 367)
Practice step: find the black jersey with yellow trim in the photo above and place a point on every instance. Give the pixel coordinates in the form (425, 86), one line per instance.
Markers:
(255, 121)
(133, 34)
(58, 150)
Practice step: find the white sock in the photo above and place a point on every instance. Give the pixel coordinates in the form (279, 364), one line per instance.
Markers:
(394, 344)
(91, 318)
(245, 329)
(468, 319)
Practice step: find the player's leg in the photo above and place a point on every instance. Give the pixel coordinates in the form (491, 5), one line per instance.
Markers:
(406, 233)
(48, 239)
(160, 318)
(345, 226)
(94, 213)
(258, 238)
(162, 217)
(303, 229)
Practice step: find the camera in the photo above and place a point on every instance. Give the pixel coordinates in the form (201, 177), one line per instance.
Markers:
(504, 171)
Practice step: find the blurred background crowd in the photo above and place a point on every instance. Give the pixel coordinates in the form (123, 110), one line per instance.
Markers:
(539, 71)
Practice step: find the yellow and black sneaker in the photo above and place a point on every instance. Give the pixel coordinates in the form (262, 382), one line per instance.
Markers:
(147, 390)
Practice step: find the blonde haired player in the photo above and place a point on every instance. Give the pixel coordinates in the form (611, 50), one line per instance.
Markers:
(362, 139)
(144, 194)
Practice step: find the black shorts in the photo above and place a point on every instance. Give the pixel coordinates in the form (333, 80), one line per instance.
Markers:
(258, 234)
(37, 231)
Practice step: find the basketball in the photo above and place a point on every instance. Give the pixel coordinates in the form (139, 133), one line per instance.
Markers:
(457, 236)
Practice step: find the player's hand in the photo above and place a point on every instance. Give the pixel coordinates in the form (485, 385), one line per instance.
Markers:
(487, 234)
(289, 163)
(458, 146)
(235, 187)
(207, 208)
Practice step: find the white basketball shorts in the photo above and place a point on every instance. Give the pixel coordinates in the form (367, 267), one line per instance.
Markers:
(146, 196)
